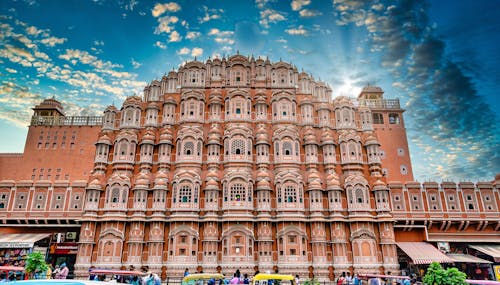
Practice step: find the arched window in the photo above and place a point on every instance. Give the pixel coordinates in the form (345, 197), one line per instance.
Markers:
(287, 148)
(237, 192)
(238, 146)
(359, 196)
(378, 118)
(185, 194)
(188, 148)
(393, 119)
(290, 194)
(115, 195)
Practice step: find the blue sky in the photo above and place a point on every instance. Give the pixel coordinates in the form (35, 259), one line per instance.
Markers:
(440, 58)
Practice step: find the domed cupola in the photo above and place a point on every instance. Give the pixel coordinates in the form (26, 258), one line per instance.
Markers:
(161, 181)
(262, 137)
(142, 181)
(310, 137)
(314, 181)
(148, 137)
(263, 180)
(332, 181)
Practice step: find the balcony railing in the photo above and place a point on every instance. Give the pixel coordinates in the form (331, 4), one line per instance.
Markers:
(380, 103)
(66, 121)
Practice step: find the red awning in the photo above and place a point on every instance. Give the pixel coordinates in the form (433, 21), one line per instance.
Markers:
(423, 253)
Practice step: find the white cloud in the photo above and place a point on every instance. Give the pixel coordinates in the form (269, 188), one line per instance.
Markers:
(196, 51)
(160, 45)
(183, 51)
(309, 13)
(192, 35)
(164, 24)
(159, 9)
(261, 3)
(282, 41)
(34, 31)
(222, 37)
(52, 41)
(270, 16)
(135, 64)
(174, 37)
(210, 14)
(298, 4)
(11, 70)
(98, 43)
(298, 31)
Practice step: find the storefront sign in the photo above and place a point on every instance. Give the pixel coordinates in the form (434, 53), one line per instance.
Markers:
(42, 250)
(16, 244)
(64, 248)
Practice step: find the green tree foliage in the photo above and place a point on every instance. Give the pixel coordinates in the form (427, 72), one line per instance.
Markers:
(36, 263)
(436, 275)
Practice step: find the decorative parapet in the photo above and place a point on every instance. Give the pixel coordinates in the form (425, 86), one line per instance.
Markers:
(66, 121)
(380, 103)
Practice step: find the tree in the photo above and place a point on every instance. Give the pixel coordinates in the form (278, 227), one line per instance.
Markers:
(36, 263)
(436, 275)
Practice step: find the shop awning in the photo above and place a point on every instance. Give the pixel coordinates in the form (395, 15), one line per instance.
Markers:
(20, 240)
(423, 253)
(488, 249)
(466, 258)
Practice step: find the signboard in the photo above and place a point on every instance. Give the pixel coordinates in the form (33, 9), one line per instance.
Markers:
(42, 250)
(64, 248)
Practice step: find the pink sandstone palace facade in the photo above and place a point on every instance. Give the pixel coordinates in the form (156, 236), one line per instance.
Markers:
(236, 163)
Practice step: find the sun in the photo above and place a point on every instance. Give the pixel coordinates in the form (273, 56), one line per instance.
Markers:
(347, 88)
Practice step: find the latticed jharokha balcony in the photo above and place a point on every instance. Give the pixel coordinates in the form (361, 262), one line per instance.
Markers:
(380, 103)
(66, 121)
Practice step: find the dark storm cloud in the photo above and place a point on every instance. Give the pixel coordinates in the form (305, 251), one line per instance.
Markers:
(443, 105)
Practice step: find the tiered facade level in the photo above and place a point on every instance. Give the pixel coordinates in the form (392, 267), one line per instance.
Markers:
(243, 163)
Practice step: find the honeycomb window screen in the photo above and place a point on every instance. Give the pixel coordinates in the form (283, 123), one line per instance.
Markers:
(185, 194)
(290, 194)
(238, 146)
(237, 192)
(188, 148)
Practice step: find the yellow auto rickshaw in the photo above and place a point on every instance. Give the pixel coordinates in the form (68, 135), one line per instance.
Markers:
(273, 279)
(202, 279)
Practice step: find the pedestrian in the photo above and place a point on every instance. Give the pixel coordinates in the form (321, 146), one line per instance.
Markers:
(297, 280)
(186, 272)
(348, 278)
(63, 272)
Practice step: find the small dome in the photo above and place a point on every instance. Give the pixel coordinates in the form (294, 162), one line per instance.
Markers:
(372, 89)
(327, 137)
(132, 101)
(371, 139)
(263, 185)
(104, 139)
(148, 137)
(170, 100)
(142, 180)
(310, 137)
(110, 108)
(342, 101)
(262, 136)
(332, 181)
(212, 185)
(161, 180)
(166, 135)
(379, 185)
(95, 184)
